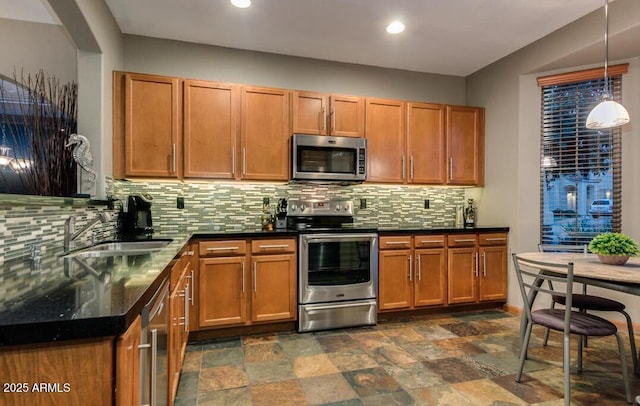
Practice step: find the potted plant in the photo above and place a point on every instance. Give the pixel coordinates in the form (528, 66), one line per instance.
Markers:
(613, 248)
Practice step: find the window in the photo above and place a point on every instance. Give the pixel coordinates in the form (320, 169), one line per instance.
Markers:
(580, 169)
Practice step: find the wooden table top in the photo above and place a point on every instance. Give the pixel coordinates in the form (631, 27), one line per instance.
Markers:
(589, 266)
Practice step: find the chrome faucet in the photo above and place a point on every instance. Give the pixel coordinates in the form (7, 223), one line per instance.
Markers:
(70, 234)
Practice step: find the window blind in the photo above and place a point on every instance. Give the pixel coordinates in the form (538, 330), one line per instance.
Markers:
(580, 169)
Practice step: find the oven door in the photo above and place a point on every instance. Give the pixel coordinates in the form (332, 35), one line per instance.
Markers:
(337, 267)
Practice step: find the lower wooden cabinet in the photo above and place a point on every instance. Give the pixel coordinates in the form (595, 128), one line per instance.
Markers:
(412, 272)
(242, 282)
(477, 266)
(179, 302)
(128, 365)
(418, 271)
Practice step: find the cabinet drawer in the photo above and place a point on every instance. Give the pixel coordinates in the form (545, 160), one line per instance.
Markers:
(396, 242)
(273, 246)
(429, 241)
(222, 248)
(462, 240)
(493, 239)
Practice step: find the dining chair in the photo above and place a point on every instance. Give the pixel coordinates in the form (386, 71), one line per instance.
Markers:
(531, 280)
(585, 302)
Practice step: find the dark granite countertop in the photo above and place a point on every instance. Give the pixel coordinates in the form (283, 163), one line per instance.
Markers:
(61, 302)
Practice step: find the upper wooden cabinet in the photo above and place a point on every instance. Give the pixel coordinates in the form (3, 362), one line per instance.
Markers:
(386, 148)
(264, 134)
(210, 129)
(465, 145)
(323, 114)
(426, 143)
(146, 126)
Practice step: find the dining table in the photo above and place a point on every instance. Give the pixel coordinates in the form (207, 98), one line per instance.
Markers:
(588, 269)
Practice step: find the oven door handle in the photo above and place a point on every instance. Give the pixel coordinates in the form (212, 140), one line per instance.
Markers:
(338, 306)
(338, 237)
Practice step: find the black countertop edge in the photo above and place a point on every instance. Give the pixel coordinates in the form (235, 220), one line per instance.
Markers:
(242, 234)
(405, 231)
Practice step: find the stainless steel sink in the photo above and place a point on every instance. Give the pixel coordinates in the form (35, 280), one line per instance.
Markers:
(117, 248)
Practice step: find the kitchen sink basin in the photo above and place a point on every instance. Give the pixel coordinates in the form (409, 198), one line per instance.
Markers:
(118, 248)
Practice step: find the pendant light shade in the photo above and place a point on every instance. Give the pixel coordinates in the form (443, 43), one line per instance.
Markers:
(608, 113)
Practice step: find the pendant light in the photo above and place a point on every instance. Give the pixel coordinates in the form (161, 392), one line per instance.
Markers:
(608, 113)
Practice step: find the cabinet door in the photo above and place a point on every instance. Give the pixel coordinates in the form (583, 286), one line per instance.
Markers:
(152, 146)
(309, 113)
(385, 140)
(462, 279)
(273, 287)
(222, 286)
(346, 117)
(128, 366)
(265, 134)
(395, 279)
(176, 320)
(425, 143)
(493, 273)
(210, 129)
(465, 145)
(430, 277)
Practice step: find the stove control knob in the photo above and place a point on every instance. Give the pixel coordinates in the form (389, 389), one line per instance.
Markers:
(293, 207)
(302, 207)
(346, 208)
(337, 207)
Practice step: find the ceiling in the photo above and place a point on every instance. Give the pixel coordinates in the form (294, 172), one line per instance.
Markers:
(453, 37)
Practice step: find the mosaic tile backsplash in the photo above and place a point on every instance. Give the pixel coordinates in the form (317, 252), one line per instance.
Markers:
(237, 206)
(224, 206)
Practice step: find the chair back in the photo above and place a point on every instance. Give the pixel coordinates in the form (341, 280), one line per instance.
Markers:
(563, 248)
(531, 277)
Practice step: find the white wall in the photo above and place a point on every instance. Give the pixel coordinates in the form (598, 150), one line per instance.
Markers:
(182, 59)
(35, 46)
(509, 91)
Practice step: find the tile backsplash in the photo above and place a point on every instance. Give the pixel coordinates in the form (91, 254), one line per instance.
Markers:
(228, 206)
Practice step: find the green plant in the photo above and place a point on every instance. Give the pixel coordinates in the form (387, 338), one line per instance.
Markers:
(613, 244)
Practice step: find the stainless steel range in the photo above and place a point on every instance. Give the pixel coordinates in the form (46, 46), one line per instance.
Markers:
(337, 263)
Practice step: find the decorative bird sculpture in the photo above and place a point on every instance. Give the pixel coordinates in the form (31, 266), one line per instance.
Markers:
(81, 154)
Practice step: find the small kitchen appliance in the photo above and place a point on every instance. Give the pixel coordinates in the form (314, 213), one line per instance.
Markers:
(329, 159)
(337, 265)
(470, 214)
(281, 213)
(135, 216)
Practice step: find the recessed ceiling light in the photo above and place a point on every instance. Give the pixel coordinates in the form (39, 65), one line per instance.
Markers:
(395, 27)
(241, 3)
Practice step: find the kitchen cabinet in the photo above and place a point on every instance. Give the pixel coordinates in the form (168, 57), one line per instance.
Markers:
(210, 125)
(412, 272)
(147, 138)
(385, 134)
(179, 301)
(79, 371)
(477, 267)
(242, 282)
(465, 145)
(425, 144)
(128, 365)
(264, 134)
(323, 114)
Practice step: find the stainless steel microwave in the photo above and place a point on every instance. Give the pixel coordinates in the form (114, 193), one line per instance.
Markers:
(327, 158)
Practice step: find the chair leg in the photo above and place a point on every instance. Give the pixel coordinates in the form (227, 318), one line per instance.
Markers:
(566, 362)
(523, 350)
(625, 373)
(580, 343)
(632, 343)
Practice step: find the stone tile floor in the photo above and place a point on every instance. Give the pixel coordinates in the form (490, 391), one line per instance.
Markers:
(452, 359)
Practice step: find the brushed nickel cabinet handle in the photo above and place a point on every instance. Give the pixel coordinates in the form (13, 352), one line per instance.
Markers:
(403, 169)
(466, 240)
(411, 166)
(233, 160)
(410, 268)
(242, 276)
(333, 119)
(484, 264)
(173, 157)
(397, 243)
(496, 239)
(193, 282)
(450, 168)
(255, 278)
(432, 242)
(475, 258)
(187, 299)
(419, 267)
(244, 161)
(272, 246)
(223, 248)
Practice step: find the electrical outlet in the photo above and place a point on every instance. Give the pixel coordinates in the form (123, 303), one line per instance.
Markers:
(427, 204)
(265, 200)
(180, 202)
(363, 203)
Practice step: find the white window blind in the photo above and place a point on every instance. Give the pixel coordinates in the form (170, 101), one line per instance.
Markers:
(580, 169)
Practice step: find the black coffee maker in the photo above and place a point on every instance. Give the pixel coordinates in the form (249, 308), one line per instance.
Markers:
(135, 217)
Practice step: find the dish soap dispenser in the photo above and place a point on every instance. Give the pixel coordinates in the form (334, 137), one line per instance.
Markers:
(470, 215)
